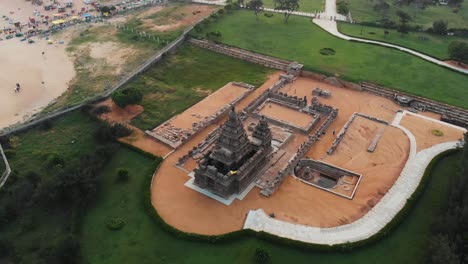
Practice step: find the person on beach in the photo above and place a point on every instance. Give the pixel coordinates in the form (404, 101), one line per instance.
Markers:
(18, 87)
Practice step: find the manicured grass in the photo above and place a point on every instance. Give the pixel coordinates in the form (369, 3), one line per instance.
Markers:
(184, 78)
(301, 40)
(143, 241)
(310, 6)
(431, 44)
(362, 10)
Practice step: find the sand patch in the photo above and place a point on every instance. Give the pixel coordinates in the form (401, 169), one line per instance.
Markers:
(175, 17)
(457, 64)
(118, 114)
(111, 53)
(422, 130)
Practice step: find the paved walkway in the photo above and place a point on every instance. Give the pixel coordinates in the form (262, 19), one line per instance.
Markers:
(7, 171)
(365, 227)
(331, 27)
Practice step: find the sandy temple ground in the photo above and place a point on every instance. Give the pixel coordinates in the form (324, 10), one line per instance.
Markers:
(294, 201)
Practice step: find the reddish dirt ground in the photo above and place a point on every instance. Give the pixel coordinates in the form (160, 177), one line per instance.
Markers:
(294, 201)
(458, 64)
(422, 130)
(287, 115)
(138, 138)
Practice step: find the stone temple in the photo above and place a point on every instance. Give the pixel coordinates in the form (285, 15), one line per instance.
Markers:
(235, 161)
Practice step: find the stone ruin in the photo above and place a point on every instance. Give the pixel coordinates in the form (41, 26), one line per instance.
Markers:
(328, 177)
(319, 92)
(234, 161)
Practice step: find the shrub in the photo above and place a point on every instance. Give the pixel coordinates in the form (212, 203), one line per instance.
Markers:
(268, 14)
(102, 109)
(127, 96)
(115, 223)
(55, 159)
(262, 256)
(439, 27)
(342, 7)
(327, 51)
(107, 132)
(122, 175)
(213, 35)
(437, 133)
(458, 50)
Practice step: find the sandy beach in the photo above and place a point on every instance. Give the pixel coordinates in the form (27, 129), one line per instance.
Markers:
(42, 77)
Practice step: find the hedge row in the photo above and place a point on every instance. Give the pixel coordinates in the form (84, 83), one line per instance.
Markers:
(245, 233)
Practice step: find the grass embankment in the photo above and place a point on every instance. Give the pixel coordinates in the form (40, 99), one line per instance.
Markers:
(362, 10)
(301, 40)
(104, 54)
(182, 79)
(430, 44)
(142, 241)
(310, 6)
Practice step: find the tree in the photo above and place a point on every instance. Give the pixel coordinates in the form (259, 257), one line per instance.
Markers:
(122, 175)
(403, 27)
(288, 6)
(442, 251)
(262, 256)
(382, 7)
(127, 96)
(440, 27)
(342, 7)
(256, 6)
(386, 32)
(458, 50)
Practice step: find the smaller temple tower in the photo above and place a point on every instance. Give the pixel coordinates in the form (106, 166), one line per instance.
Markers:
(261, 137)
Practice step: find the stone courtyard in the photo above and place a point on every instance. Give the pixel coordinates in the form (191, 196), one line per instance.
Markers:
(368, 151)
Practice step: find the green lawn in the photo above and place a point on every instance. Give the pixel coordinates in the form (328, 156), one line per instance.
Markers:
(301, 40)
(143, 241)
(433, 45)
(184, 78)
(40, 227)
(68, 137)
(310, 6)
(362, 10)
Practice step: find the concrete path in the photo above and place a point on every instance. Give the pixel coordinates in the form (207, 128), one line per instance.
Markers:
(367, 226)
(331, 27)
(7, 171)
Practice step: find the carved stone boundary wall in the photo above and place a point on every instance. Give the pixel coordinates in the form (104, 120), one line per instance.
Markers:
(293, 100)
(300, 153)
(220, 114)
(282, 123)
(342, 132)
(450, 113)
(264, 60)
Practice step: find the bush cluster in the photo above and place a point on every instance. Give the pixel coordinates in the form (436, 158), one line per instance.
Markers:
(115, 223)
(127, 96)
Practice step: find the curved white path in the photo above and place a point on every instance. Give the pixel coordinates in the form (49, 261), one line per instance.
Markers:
(365, 227)
(331, 27)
